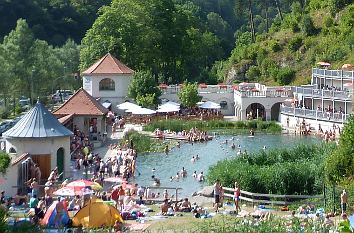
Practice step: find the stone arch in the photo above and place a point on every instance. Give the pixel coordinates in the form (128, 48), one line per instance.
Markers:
(107, 84)
(255, 110)
(274, 111)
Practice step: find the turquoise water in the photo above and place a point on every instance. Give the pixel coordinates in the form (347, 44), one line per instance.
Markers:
(210, 153)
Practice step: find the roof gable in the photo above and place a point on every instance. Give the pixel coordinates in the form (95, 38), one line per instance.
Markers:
(108, 65)
(38, 123)
(81, 103)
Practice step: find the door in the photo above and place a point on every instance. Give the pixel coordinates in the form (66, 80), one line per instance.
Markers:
(60, 161)
(44, 164)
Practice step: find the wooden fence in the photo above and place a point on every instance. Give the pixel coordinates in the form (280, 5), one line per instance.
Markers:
(272, 199)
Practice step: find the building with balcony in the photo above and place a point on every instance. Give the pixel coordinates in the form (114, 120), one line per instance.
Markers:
(327, 101)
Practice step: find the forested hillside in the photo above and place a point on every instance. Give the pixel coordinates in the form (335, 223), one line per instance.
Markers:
(54, 21)
(320, 31)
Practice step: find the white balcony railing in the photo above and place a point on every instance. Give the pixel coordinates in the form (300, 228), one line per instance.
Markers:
(312, 92)
(336, 74)
(314, 114)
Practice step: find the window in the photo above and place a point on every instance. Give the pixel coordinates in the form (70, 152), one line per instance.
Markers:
(223, 104)
(12, 150)
(107, 84)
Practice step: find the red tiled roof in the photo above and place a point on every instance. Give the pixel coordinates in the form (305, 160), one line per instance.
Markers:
(20, 159)
(108, 65)
(81, 104)
(63, 120)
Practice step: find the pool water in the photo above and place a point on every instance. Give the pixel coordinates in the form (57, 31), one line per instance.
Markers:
(210, 153)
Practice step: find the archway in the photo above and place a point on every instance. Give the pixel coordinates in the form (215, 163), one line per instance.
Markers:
(255, 111)
(60, 160)
(274, 111)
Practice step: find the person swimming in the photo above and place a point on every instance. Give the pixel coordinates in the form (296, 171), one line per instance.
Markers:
(239, 152)
(153, 171)
(167, 150)
(183, 172)
(193, 159)
(251, 132)
(239, 146)
(156, 181)
(178, 144)
(264, 147)
(171, 178)
(195, 174)
(197, 157)
(177, 177)
(233, 146)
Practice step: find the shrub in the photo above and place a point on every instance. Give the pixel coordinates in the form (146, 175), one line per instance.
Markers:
(307, 26)
(253, 73)
(279, 171)
(285, 76)
(4, 161)
(274, 46)
(295, 43)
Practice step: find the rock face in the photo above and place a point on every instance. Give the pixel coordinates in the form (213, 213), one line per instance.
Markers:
(207, 191)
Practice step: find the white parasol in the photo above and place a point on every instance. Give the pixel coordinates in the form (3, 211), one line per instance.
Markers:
(210, 105)
(127, 105)
(142, 111)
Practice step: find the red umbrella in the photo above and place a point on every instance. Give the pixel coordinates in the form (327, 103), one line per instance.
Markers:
(323, 63)
(71, 191)
(115, 180)
(347, 66)
(79, 184)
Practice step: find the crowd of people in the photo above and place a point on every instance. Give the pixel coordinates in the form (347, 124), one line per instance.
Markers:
(79, 141)
(193, 135)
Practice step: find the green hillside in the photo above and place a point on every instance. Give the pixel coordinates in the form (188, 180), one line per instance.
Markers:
(285, 55)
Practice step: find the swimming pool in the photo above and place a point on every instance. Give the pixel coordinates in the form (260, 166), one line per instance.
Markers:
(210, 153)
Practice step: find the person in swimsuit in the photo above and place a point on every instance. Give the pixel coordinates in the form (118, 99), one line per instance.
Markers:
(237, 194)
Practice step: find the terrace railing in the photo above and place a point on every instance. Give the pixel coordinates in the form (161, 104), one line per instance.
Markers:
(175, 89)
(272, 93)
(336, 74)
(312, 92)
(315, 114)
(273, 199)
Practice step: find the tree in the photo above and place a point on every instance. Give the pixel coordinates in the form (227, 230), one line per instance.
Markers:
(143, 88)
(4, 161)
(189, 95)
(340, 164)
(147, 100)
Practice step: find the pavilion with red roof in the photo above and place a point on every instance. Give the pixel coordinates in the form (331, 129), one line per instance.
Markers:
(83, 111)
(108, 80)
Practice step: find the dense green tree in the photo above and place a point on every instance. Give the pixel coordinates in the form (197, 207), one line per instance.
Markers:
(147, 100)
(31, 67)
(144, 87)
(4, 161)
(340, 164)
(189, 95)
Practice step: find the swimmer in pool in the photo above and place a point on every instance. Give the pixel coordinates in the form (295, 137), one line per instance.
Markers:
(233, 146)
(264, 147)
(195, 174)
(193, 159)
(239, 152)
(177, 177)
(183, 172)
(197, 157)
(251, 132)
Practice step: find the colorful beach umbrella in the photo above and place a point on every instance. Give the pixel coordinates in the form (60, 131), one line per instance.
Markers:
(71, 191)
(80, 184)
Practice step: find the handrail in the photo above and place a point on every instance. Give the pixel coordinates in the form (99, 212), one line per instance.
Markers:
(168, 188)
(255, 197)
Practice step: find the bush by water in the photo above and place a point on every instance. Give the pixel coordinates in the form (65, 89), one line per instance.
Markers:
(299, 170)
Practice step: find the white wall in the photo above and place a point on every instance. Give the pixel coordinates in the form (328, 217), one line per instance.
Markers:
(214, 97)
(37, 146)
(118, 96)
